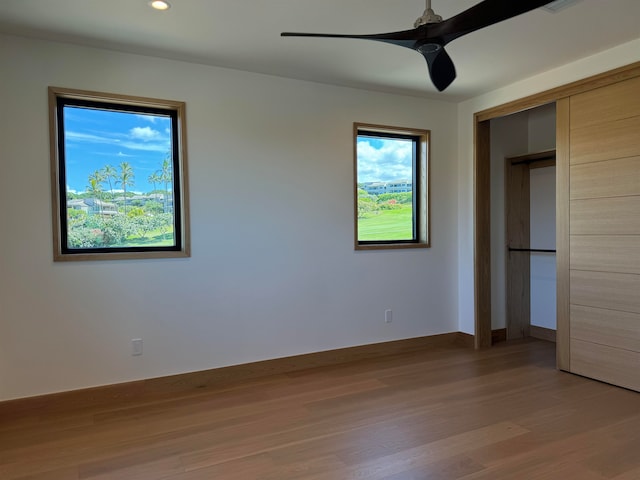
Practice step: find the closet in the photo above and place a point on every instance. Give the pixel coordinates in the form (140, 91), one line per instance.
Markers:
(597, 154)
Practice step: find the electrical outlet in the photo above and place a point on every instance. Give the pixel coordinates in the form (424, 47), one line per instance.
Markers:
(136, 346)
(388, 316)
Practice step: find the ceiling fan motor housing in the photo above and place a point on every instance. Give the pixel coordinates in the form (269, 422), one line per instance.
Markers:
(428, 16)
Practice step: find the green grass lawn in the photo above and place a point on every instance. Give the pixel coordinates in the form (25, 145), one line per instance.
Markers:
(387, 225)
(155, 238)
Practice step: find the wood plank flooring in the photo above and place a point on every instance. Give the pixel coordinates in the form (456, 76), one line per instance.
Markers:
(446, 413)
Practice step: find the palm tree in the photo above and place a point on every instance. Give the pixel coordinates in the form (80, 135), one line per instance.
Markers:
(109, 173)
(95, 188)
(126, 179)
(166, 175)
(154, 179)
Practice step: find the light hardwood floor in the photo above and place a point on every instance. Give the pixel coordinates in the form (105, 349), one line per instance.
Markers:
(446, 413)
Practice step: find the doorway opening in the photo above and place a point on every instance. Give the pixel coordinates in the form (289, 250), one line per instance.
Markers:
(517, 216)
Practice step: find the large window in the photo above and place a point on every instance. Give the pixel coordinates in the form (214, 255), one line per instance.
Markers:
(391, 187)
(119, 176)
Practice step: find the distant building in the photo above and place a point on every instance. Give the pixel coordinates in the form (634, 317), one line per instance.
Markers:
(397, 186)
(375, 188)
(93, 206)
(152, 197)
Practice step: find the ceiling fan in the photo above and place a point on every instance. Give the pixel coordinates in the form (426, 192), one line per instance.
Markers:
(431, 33)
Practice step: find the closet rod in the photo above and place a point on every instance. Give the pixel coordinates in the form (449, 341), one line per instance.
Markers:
(540, 250)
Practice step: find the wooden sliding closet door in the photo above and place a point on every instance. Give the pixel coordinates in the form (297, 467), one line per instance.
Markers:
(604, 233)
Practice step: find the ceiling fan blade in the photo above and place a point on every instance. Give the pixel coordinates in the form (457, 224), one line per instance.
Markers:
(483, 14)
(430, 38)
(404, 38)
(441, 68)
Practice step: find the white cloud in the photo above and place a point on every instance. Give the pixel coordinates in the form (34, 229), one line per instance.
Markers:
(120, 190)
(139, 138)
(88, 137)
(160, 146)
(148, 118)
(146, 134)
(384, 160)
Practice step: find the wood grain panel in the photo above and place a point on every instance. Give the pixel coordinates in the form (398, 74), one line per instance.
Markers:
(612, 365)
(518, 264)
(606, 253)
(482, 229)
(606, 216)
(607, 141)
(610, 178)
(606, 327)
(605, 232)
(517, 190)
(563, 325)
(543, 164)
(498, 335)
(614, 291)
(604, 105)
(533, 159)
(518, 297)
(542, 333)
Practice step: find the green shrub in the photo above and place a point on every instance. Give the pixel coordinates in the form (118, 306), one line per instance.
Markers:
(406, 197)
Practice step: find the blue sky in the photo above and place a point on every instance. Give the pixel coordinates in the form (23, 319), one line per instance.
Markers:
(384, 159)
(95, 138)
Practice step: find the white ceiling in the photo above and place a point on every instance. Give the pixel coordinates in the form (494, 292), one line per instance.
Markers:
(245, 34)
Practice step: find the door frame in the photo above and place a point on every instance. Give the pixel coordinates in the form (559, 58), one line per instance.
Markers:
(482, 205)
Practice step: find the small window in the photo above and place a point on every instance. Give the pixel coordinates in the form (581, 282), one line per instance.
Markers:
(119, 176)
(391, 187)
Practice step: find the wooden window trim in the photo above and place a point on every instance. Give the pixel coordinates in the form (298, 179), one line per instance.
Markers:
(422, 175)
(182, 197)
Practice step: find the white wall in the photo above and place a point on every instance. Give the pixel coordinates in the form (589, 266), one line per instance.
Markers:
(583, 68)
(543, 236)
(542, 136)
(273, 271)
(541, 128)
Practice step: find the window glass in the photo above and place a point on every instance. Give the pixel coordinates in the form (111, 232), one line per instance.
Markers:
(391, 186)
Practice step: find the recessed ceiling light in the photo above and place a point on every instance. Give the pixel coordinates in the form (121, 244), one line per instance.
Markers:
(160, 5)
